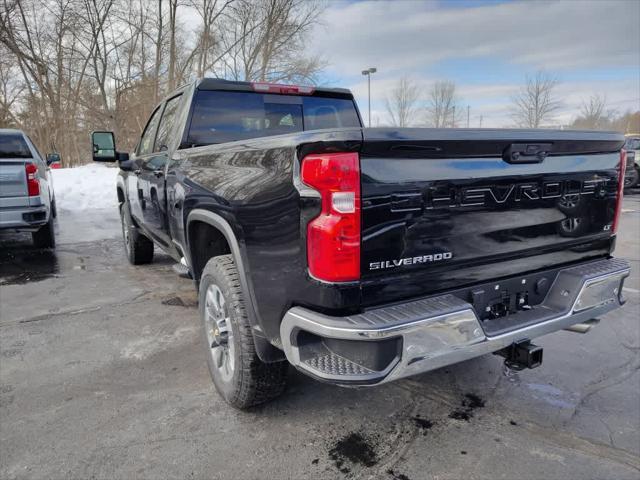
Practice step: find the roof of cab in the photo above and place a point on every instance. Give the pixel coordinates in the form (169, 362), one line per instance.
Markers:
(229, 85)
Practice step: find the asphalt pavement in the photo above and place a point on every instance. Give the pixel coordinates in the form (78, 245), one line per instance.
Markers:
(103, 375)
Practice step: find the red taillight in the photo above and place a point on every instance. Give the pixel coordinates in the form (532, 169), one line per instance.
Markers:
(333, 237)
(32, 179)
(282, 89)
(622, 168)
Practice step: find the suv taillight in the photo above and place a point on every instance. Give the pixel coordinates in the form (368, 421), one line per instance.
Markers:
(333, 237)
(33, 186)
(621, 172)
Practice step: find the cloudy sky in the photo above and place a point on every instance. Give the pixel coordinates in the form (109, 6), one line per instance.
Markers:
(487, 47)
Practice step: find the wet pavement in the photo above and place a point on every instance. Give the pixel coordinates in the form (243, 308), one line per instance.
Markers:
(102, 375)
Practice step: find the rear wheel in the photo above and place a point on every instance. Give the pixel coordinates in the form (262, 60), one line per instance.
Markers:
(240, 377)
(139, 249)
(46, 236)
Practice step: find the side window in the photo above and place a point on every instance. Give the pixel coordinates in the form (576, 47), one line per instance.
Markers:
(146, 142)
(167, 123)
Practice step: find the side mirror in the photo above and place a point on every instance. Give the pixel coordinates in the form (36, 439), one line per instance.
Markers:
(53, 158)
(104, 147)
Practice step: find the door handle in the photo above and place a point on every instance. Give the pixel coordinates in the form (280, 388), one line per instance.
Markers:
(158, 173)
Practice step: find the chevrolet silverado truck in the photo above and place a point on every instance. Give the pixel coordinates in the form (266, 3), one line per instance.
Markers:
(365, 255)
(27, 200)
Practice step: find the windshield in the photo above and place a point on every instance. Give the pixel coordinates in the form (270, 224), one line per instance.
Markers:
(228, 116)
(12, 145)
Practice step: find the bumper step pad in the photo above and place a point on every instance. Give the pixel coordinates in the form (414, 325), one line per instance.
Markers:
(333, 364)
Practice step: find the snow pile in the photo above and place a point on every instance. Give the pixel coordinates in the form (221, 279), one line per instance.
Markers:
(91, 186)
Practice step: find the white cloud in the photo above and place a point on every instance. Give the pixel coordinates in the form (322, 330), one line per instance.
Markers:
(409, 36)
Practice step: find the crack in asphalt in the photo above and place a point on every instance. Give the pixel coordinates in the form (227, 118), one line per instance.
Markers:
(610, 432)
(622, 342)
(583, 445)
(76, 311)
(624, 372)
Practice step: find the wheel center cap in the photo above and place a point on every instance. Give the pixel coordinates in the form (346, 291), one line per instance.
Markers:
(219, 332)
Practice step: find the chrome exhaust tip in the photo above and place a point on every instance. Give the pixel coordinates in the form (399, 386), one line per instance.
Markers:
(583, 327)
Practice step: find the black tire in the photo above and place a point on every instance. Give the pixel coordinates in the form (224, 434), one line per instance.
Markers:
(54, 208)
(45, 237)
(248, 381)
(138, 248)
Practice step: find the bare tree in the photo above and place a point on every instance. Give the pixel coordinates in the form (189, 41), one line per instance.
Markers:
(535, 103)
(71, 66)
(443, 105)
(45, 51)
(173, 26)
(11, 88)
(208, 47)
(265, 41)
(628, 122)
(158, 47)
(594, 114)
(402, 104)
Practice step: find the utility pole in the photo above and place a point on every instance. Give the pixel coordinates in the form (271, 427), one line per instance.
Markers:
(468, 111)
(368, 73)
(480, 121)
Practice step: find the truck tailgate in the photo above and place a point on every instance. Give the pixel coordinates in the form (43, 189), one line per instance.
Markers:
(447, 208)
(13, 178)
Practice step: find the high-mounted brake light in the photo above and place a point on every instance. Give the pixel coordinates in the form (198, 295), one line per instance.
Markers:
(621, 171)
(333, 237)
(282, 89)
(33, 186)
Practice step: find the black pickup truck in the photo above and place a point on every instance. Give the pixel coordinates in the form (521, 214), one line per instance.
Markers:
(362, 255)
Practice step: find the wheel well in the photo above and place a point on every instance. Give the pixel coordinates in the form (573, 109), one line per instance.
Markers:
(205, 242)
(120, 195)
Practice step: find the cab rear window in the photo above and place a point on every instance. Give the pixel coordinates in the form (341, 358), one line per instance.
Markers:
(220, 116)
(12, 145)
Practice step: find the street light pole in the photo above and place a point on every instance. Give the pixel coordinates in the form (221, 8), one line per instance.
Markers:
(368, 73)
(369, 94)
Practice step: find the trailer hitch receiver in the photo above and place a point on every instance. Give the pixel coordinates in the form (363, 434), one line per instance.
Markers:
(521, 355)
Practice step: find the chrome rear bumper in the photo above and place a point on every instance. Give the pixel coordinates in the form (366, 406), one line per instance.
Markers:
(423, 335)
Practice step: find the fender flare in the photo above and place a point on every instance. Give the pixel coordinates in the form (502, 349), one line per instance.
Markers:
(266, 351)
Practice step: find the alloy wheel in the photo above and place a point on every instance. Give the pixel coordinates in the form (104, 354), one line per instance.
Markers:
(217, 326)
